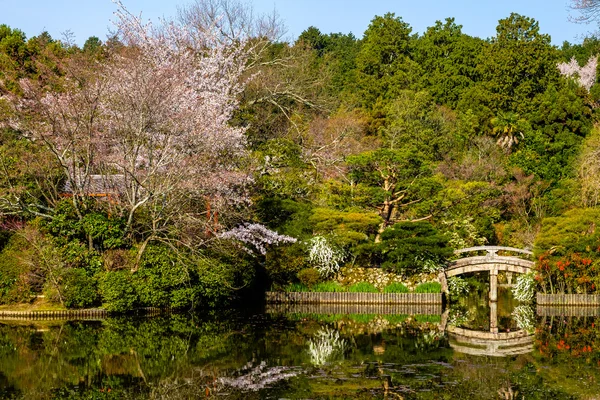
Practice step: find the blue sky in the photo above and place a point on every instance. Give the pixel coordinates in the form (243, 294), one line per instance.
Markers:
(479, 17)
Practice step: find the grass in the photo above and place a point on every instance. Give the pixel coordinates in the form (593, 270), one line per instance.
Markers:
(429, 287)
(39, 304)
(330, 286)
(395, 287)
(296, 287)
(363, 287)
(435, 319)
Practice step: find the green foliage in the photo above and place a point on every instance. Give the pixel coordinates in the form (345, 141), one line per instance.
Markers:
(329, 286)
(383, 62)
(574, 231)
(283, 263)
(309, 276)
(429, 287)
(396, 287)
(15, 286)
(296, 287)
(117, 291)
(78, 289)
(413, 247)
(160, 272)
(66, 226)
(363, 287)
(346, 228)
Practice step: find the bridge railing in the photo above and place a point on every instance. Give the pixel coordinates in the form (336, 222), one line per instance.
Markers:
(493, 250)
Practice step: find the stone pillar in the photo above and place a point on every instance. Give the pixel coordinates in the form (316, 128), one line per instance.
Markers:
(493, 316)
(494, 284)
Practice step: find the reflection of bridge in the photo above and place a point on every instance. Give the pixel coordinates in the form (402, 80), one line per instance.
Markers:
(490, 344)
(491, 262)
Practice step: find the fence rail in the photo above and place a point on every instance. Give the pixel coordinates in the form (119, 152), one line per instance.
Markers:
(568, 311)
(354, 298)
(86, 314)
(568, 299)
(349, 308)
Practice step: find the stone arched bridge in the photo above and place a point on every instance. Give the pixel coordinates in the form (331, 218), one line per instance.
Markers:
(490, 262)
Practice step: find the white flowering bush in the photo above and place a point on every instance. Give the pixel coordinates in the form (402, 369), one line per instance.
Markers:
(524, 317)
(326, 346)
(524, 288)
(457, 286)
(257, 236)
(325, 256)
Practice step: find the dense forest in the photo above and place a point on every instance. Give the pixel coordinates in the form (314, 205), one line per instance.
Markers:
(203, 160)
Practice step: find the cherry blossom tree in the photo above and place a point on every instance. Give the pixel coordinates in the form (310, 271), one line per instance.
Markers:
(155, 114)
(586, 75)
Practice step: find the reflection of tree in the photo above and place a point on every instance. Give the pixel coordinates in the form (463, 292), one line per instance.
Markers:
(326, 346)
(259, 377)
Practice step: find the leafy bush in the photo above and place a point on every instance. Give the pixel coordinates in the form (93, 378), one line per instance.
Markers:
(309, 276)
(159, 273)
(329, 286)
(429, 287)
(117, 290)
(413, 246)
(78, 289)
(457, 286)
(395, 287)
(363, 287)
(14, 283)
(283, 263)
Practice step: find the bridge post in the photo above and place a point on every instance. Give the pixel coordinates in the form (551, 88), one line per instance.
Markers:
(494, 283)
(493, 317)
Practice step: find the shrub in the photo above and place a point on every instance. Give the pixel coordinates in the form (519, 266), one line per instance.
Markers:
(429, 287)
(117, 291)
(395, 287)
(328, 287)
(524, 288)
(283, 263)
(363, 287)
(413, 247)
(457, 286)
(78, 289)
(324, 255)
(116, 259)
(309, 276)
(15, 286)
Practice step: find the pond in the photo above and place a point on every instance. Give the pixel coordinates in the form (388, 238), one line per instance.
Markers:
(308, 353)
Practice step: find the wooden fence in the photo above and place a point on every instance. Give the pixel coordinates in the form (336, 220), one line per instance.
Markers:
(354, 298)
(568, 299)
(353, 308)
(568, 311)
(86, 314)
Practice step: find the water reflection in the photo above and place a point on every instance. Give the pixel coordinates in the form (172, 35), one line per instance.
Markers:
(307, 354)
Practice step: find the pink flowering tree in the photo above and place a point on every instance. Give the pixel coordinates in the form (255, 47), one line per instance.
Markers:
(258, 238)
(154, 118)
(585, 76)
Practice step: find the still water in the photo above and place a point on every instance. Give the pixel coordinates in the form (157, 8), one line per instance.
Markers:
(310, 353)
